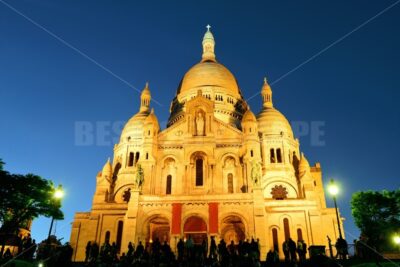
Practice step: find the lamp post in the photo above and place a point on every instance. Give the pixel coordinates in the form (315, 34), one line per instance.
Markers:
(334, 190)
(58, 195)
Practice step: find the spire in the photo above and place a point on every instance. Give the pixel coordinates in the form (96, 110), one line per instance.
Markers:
(208, 46)
(266, 94)
(145, 98)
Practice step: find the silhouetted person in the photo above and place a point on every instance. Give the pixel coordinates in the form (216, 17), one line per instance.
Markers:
(302, 250)
(94, 252)
(292, 249)
(181, 248)
(131, 250)
(341, 248)
(204, 248)
(87, 251)
(213, 248)
(270, 258)
(189, 245)
(286, 250)
(139, 249)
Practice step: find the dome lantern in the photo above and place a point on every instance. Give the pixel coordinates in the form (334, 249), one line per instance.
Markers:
(145, 99)
(266, 94)
(208, 46)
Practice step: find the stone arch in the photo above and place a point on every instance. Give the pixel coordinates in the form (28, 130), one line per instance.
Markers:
(162, 159)
(230, 174)
(156, 226)
(195, 227)
(167, 161)
(199, 161)
(229, 154)
(242, 218)
(169, 169)
(118, 195)
(290, 225)
(114, 179)
(233, 229)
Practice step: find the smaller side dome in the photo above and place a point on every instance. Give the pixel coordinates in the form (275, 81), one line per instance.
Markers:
(270, 120)
(107, 170)
(152, 119)
(304, 166)
(132, 128)
(249, 116)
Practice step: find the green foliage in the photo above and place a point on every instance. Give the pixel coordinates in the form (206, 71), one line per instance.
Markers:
(377, 214)
(23, 198)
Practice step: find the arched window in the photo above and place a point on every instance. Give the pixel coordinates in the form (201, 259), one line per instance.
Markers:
(251, 151)
(272, 155)
(279, 155)
(199, 172)
(230, 183)
(119, 234)
(299, 234)
(147, 155)
(137, 157)
(169, 185)
(107, 237)
(286, 228)
(275, 239)
(130, 160)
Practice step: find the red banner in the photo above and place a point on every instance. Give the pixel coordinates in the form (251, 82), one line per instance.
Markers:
(176, 218)
(213, 217)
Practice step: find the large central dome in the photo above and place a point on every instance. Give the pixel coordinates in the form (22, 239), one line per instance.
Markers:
(215, 82)
(209, 73)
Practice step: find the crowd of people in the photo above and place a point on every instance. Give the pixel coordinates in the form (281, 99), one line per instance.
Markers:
(188, 253)
(159, 254)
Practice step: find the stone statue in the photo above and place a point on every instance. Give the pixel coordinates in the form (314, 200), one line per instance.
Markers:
(199, 124)
(139, 177)
(256, 173)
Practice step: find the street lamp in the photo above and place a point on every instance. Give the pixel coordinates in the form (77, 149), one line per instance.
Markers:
(334, 190)
(396, 239)
(57, 195)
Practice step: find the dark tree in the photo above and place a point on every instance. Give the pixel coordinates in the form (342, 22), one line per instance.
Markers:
(377, 214)
(23, 198)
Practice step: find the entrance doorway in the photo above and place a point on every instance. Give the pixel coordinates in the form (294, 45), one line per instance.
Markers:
(233, 229)
(159, 228)
(196, 228)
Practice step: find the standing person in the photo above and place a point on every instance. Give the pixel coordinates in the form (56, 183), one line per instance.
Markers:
(270, 258)
(139, 249)
(213, 248)
(131, 250)
(94, 252)
(292, 249)
(181, 249)
(341, 248)
(286, 251)
(87, 251)
(302, 250)
(189, 245)
(204, 248)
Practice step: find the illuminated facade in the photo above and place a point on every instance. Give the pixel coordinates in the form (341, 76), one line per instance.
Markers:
(215, 170)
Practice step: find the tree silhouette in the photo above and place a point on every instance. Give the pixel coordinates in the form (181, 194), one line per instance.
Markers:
(23, 198)
(377, 214)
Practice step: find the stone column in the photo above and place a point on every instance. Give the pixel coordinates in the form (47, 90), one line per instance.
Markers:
(260, 225)
(130, 220)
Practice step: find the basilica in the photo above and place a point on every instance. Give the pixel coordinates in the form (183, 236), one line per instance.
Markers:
(217, 169)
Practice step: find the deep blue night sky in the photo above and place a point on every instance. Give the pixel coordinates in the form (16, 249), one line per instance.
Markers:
(46, 87)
